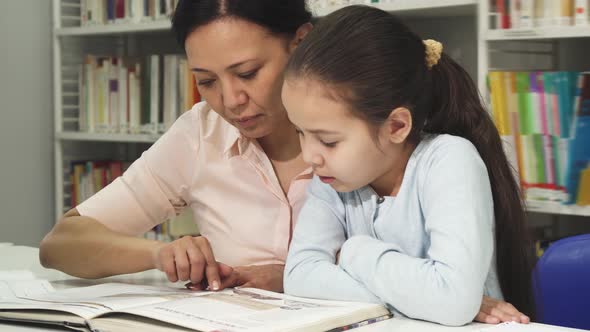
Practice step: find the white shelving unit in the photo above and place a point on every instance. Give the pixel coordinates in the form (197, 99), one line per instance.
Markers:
(461, 24)
(557, 208)
(114, 29)
(100, 137)
(539, 48)
(70, 43)
(419, 8)
(540, 33)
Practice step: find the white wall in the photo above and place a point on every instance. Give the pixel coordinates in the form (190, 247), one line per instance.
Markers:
(26, 121)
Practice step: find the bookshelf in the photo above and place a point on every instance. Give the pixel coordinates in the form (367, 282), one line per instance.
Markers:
(71, 42)
(541, 33)
(119, 28)
(415, 8)
(474, 47)
(541, 46)
(104, 137)
(557, 208)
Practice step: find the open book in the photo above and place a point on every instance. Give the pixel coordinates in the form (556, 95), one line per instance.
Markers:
(125, 307)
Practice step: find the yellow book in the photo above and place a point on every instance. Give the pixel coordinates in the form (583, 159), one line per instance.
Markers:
(566, 13)
(583, 197)
(513, 120)
(77, 184)
(499, 108)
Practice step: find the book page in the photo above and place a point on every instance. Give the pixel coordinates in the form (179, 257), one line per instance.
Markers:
(248, 309)
(88, 302)
(16, 275)
(14, 289)
(228, 310)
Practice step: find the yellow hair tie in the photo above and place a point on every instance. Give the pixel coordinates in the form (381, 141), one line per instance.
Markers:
(433, 52)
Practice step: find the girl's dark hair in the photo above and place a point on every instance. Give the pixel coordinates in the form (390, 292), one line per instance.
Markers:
(281, 17)
(379, 65)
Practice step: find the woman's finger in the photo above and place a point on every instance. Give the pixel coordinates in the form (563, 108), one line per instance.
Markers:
(182, 264)
(166, 258)
(197, 264)
(211, 268)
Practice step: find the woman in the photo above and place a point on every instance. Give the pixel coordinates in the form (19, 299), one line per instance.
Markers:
(234, 159)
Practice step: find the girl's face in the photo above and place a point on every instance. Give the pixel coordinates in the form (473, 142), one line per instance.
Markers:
(339, 146)
(238, 68)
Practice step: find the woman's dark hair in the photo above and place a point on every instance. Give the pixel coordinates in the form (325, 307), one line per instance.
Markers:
(281, 17)
(379, 65)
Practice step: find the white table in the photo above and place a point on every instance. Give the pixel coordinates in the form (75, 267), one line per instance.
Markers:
(27, 258)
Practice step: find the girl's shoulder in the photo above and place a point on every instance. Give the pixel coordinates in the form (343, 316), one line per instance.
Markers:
(438, 154)
(445, 145)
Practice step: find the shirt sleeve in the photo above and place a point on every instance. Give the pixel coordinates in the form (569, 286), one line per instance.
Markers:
(447, 285)
(150, 189)
(310, 270)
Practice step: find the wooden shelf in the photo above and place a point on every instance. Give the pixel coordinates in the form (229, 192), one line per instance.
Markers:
(101, 137)
(115, 28)
(539, 33)
(557, 208)
(425, 8)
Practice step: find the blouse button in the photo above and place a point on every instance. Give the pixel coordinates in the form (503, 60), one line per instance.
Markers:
(380, 200)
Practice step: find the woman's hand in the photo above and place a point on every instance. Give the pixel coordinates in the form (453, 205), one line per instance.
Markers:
(493, 311)
(189, 258)
(269, 277)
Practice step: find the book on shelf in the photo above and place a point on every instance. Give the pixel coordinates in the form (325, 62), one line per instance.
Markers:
(125, 307)
(134, 95)
(89, 177)
(528, 14)
(579, 145)
(541, 116)
(94, 12)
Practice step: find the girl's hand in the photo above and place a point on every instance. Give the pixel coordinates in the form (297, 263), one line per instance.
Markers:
(188, 258)
(493, 311)
(269, 277)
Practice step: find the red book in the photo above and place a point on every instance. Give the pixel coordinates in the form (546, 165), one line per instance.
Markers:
(503, 12)
(119, 9)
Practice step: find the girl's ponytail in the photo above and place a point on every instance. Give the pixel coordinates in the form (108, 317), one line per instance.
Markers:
(458, 110)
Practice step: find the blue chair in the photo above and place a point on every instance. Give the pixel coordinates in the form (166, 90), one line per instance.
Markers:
(562, 283)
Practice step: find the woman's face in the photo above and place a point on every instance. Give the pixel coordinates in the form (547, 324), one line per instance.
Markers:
(238, 67)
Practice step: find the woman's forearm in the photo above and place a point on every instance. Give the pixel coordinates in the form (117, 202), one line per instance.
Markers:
(83, 247)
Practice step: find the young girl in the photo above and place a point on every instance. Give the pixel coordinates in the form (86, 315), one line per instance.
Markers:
(414, 203)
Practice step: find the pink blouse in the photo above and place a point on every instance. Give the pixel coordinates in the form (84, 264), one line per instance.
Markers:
(226, 179)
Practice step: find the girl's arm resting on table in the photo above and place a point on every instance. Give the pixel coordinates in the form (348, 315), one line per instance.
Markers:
(310, 270)
(447, 286)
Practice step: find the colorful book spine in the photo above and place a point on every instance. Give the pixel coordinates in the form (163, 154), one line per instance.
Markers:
(583, 196)
(579, 148)
(544, 120)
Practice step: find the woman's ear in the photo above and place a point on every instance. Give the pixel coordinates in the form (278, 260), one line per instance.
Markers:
(300, 34)
(399, 125)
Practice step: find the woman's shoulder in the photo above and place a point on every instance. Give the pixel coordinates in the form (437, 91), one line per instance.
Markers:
(202, 119)
(200, 113)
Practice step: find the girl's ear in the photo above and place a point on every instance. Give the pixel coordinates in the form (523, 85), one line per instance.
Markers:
(399, 125)
(300, 34)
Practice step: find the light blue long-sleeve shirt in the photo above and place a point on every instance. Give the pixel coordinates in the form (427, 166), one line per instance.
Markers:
(427, 253)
